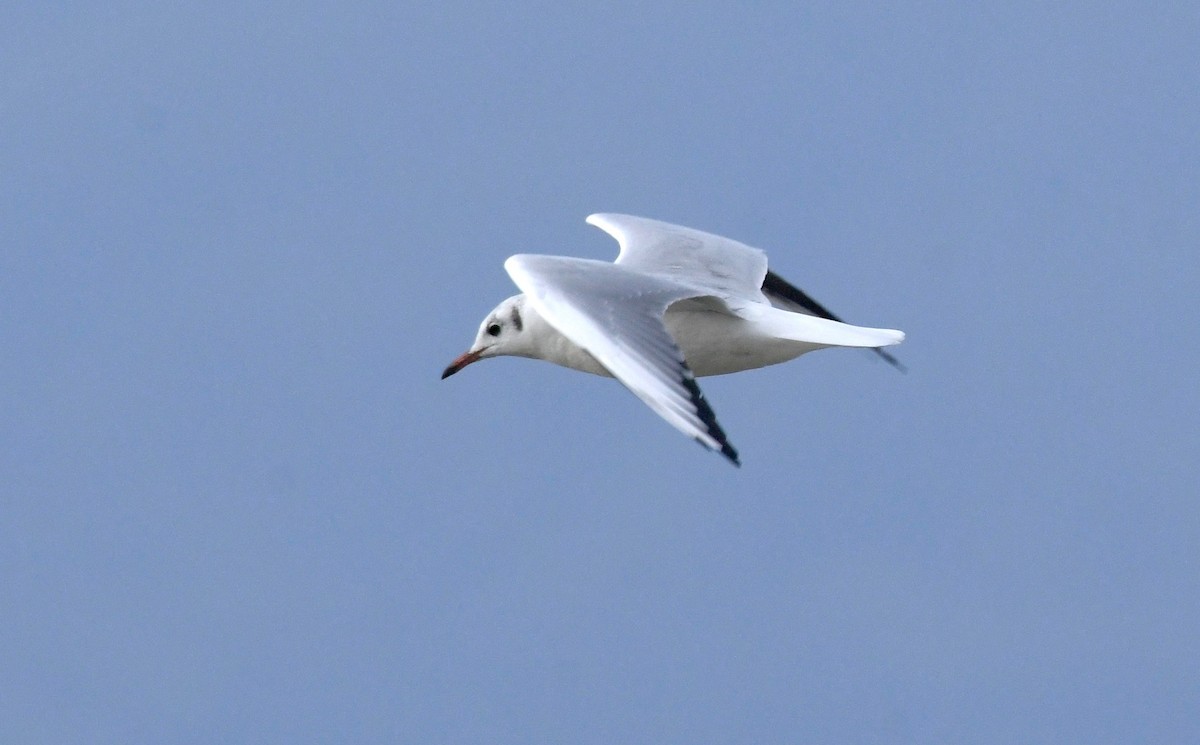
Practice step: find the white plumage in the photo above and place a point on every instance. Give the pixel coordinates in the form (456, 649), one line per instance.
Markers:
(676, 303)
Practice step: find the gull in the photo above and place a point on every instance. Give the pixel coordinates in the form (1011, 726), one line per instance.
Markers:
(676, 304)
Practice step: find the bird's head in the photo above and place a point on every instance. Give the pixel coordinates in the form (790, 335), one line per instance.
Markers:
(504, 331)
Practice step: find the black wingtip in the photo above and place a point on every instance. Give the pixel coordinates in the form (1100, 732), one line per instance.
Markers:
(777, 285)
(728, 451)
(709, 417)
(891, 360)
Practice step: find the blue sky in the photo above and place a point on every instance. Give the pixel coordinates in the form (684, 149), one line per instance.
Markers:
(240, 244)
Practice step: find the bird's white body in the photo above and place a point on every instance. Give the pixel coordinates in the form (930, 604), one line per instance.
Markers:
(716, 343)
(677, 303)
(713, 343)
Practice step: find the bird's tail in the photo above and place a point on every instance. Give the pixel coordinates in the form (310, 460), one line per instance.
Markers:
(801, 327)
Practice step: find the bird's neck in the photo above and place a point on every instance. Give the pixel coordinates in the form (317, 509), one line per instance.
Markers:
(552, 346)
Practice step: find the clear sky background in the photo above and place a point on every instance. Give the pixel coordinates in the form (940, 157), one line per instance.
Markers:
(239, 244)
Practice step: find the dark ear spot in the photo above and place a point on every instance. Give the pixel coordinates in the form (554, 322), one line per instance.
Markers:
(516, 319)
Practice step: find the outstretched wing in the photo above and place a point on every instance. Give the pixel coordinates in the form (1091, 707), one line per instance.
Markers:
(728, 269)
(616, 314)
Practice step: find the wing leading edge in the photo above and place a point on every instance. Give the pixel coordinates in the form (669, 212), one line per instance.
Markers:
(617, 316)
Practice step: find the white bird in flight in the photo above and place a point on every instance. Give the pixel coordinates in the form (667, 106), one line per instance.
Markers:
(677, 303)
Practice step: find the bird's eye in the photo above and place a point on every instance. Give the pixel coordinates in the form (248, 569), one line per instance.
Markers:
(494, 329)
